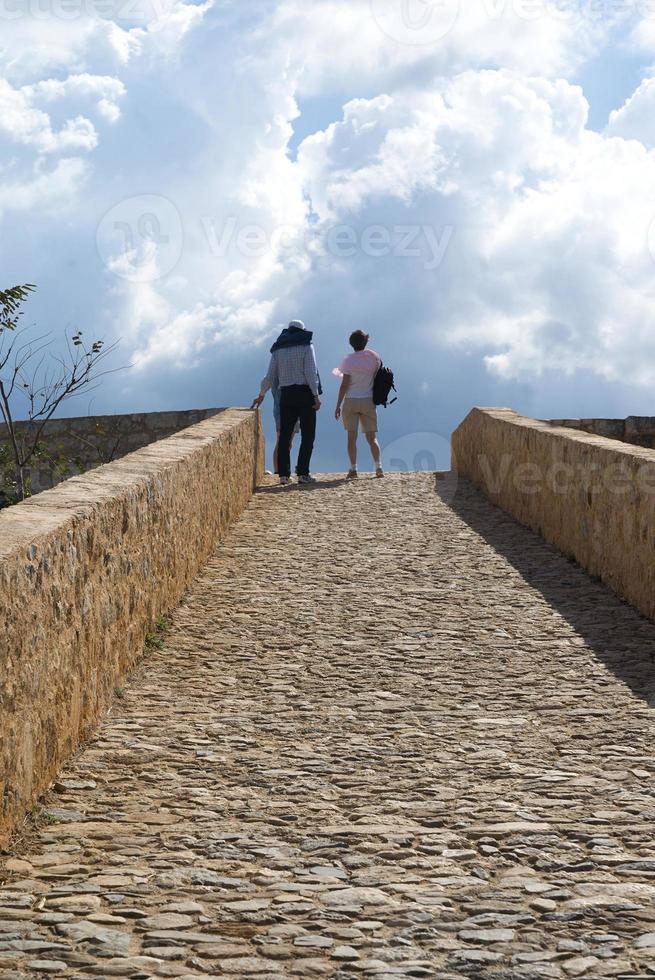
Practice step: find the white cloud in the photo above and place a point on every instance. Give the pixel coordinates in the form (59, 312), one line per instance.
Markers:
(184, 336)
(24, 121)
(109, 110)
(46, 74)
(641, 37)
(21, 122)
(530, 244)
(550, 266)
(332, 45)
(95, 87)
(168, 21)
(46, 190)
(31, 48)
(636, 117)
(74, 34)
(527, 249)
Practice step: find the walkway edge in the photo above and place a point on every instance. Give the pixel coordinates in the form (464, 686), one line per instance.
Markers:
(86, 569)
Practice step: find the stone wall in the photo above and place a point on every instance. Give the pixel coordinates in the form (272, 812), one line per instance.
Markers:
(591, 497)
(76, 445)
(86, 569)
(638, 430)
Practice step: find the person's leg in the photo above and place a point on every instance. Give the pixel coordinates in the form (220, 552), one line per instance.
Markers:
(350, 421)
(307, 414)
(352, 448)
(275, 452)
(372, 439)
(277, 394)
(288, 419)
(370, 428)
(277, 448)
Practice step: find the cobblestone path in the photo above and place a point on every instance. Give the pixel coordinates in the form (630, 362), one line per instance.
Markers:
(386, 736)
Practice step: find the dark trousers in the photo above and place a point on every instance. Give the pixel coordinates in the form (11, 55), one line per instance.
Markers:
(296, 404)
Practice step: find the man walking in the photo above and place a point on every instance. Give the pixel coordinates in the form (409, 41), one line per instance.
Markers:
(355, 404)
(293, 369)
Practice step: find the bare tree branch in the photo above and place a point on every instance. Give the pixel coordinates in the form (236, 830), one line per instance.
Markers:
(43, 378)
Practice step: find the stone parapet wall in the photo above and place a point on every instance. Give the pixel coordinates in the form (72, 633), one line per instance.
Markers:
(590, 496)
(638, 430)
(76, 445)
(86, 569)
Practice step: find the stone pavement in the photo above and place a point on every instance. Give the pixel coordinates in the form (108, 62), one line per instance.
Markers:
(387, 736)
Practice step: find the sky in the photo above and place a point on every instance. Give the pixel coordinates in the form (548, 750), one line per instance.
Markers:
(471, 183)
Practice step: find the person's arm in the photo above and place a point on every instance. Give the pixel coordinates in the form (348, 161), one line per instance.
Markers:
(311, 374)
(343, 391)
(270, 379)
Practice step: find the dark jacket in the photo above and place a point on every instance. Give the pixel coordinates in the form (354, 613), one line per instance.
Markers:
(296, 337)
(292, 337)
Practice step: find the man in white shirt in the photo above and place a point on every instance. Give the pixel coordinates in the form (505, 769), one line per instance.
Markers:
(355, 404)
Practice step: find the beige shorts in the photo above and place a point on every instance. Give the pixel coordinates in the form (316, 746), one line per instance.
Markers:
(359, 411)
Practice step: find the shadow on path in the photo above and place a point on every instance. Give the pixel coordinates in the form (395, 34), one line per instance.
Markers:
(303, 487)
(627, 647)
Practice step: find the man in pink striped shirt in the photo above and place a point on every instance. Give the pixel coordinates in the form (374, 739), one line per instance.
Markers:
(355, 404)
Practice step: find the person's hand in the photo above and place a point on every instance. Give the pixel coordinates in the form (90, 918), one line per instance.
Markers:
(337, 413)
(317, 403)
(257, 402)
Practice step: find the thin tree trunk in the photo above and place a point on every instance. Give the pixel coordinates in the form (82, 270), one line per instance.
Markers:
(6, 411)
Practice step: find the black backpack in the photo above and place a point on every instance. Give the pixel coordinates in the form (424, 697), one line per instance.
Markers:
(383, 386)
